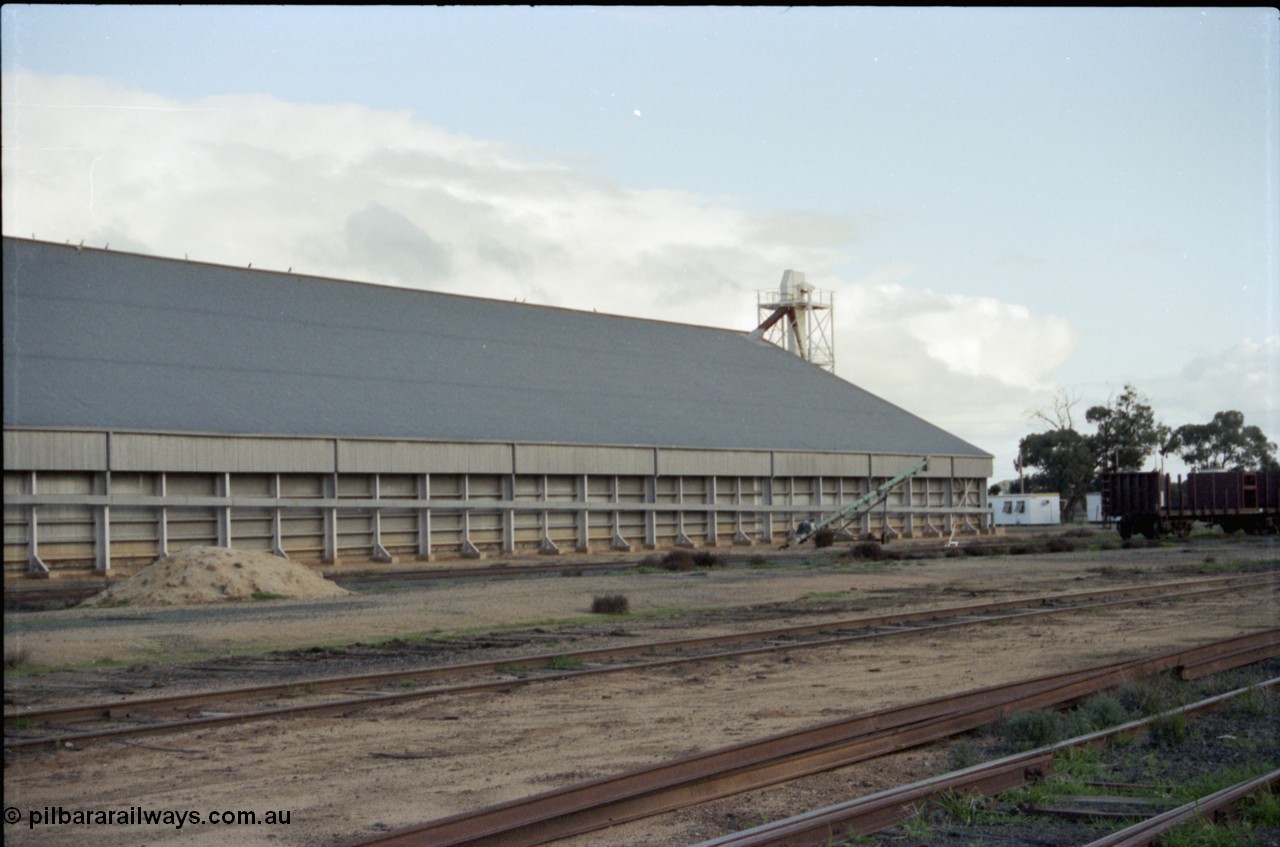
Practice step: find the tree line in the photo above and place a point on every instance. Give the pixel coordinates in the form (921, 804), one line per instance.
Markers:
(1064, 460)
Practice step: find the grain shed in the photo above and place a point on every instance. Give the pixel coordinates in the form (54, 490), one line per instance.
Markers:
(153, 404)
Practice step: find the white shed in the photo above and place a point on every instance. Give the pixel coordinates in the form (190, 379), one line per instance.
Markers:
(1025, 509)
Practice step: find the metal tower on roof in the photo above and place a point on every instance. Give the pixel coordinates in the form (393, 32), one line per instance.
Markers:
(798, 317)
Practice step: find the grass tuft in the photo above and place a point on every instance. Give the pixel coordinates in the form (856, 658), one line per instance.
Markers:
(1029, 730)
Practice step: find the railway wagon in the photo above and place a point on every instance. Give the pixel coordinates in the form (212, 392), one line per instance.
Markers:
(1150, 504)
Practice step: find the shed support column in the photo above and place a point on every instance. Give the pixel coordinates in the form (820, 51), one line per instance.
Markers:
(379, 553)
(651, 515)
(277, 530)
(424, 519)
(740, 536)
(864, 523)
(102, 530)
(949, 501)
(509, 515)
(713, 531)
(843, 532)
(618, 542)
(331, 520)
(162, 530)
(682, 540)
(766, 495)
(224, 512)
(584, 517)
(908, 518)
(546, 545)
(469, 550)
(35, 565)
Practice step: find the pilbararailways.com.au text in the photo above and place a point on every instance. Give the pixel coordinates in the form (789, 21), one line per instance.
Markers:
(140, 816)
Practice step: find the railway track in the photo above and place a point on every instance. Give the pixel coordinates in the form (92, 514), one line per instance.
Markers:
(601, 803)
(877, 812)
(47, 728)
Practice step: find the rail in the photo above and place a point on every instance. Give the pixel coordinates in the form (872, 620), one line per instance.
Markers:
(906, 623)
(601, 803)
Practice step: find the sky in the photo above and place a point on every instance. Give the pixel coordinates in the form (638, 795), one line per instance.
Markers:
(1011, 208)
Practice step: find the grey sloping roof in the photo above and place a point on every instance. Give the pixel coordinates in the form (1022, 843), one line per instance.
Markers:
(98, 339)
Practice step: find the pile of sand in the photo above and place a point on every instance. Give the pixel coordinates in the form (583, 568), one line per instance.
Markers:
(214, 575)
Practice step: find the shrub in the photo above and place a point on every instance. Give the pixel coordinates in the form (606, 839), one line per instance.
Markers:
(610, 604)
(678, 560)
(707, 559)
(867, 550)
(1104, 710)
(1152, 695)
(824, 537)
(1030, 730)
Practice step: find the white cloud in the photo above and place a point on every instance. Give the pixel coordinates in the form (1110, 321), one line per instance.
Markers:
(1244, 377)
(356, 193)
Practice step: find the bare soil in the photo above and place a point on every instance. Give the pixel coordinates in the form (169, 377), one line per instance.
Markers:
(383, 768)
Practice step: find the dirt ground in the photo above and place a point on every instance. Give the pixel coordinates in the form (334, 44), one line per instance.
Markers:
(343, 777)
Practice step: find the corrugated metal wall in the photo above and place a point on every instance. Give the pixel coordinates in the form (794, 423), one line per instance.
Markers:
(81, 498)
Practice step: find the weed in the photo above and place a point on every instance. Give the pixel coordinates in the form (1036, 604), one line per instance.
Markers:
(1168, 730)
(824, 596)
(1209, 783)
(824, 537)
(1082, 764)
(1102, 711)
(962, 807)
(610, 604)
(964, 755)
(1261, 808)
(564, 663)
(1034, 794)
(1152, 695)
(406, 683)
(853, 839)
(1029, 730)
(916, 826)
(515, 669)
(1254, 701)
(268, 595)
(16, 657)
